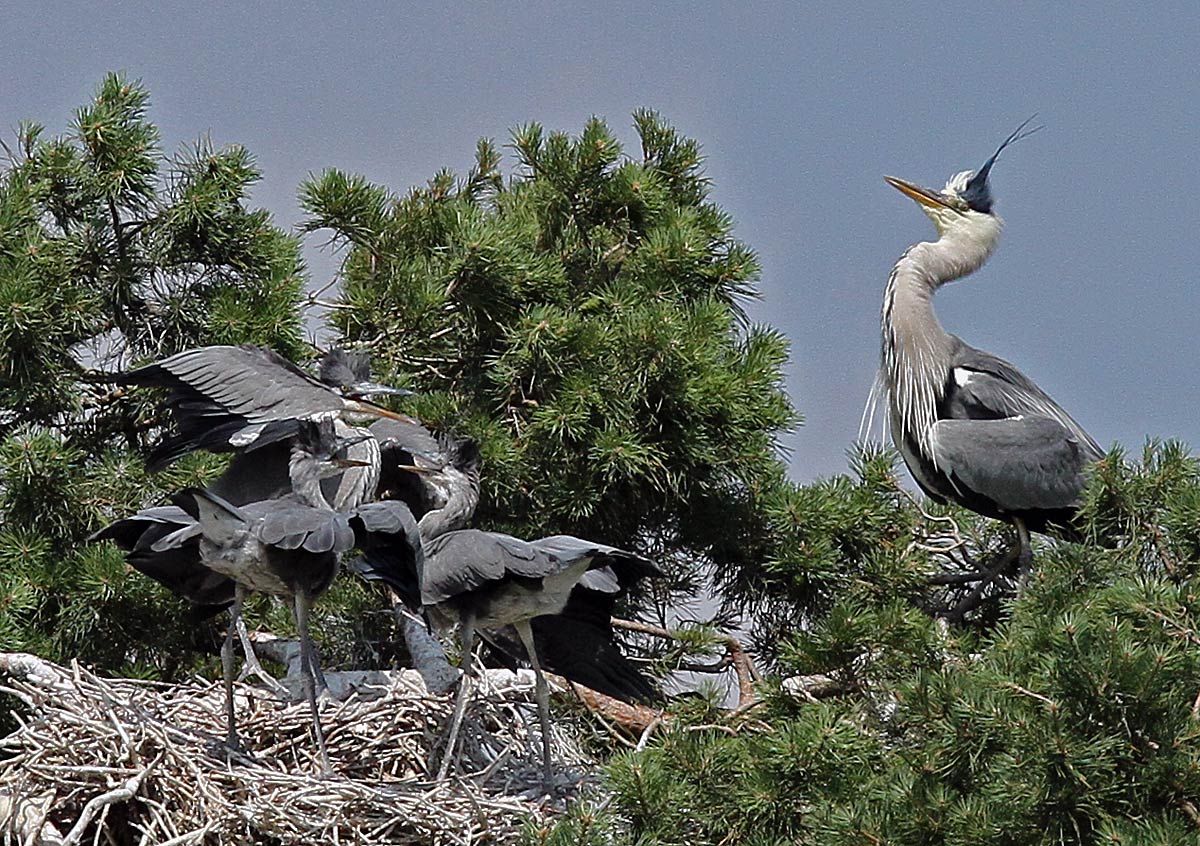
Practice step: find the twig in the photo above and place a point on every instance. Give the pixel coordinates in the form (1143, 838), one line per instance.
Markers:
(743, 665)
(1045, 700)
(1190, 810)
(119, 794)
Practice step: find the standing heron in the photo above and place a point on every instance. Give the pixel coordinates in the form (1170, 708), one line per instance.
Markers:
(482, 580)
(972, 429)
(211, 550)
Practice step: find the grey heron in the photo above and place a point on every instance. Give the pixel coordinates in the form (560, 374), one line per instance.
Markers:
(245, 394)
(437, 476)
(226, 398)
(211, 550)
(971, 428)
(487, 580)
(577, 643)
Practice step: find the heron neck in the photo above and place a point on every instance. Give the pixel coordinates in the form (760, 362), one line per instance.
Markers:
(915, 349)
(305, 473)
(461, 502)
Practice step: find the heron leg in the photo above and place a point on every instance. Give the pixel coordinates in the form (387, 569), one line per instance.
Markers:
(460, 702)
(543, 694)
(314, 666)
(1025, 556)
(973, 599)
(253, 667)
(235, 614)
(300, 605)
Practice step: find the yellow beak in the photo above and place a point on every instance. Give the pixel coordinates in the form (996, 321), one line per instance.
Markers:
(924, 196)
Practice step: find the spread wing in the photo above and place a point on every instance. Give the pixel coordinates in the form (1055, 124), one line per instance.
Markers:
(466, 560)
(578, 642)
(387, 535)
(613, 570)
(154, 543)
(226, 397)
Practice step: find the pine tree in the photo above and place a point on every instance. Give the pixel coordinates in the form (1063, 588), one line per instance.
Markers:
(582, 318)
(1068, 715)
(112, 252)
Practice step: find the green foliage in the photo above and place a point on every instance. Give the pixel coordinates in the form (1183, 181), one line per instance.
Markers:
(581, 318)
(112, 253)
(1073, 720)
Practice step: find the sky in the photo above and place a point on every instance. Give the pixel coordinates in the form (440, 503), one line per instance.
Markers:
(801, 109)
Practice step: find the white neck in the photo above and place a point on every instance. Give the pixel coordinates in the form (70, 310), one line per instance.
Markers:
(915, 349)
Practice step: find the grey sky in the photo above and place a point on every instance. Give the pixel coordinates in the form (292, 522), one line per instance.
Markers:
(801, 111)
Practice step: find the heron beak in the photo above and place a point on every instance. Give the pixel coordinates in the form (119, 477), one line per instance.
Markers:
(371, 408)
(420, 471)
(924, 196)
(374, 389)
(351, 462)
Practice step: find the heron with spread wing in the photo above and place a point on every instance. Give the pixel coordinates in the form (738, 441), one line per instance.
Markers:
(972, 429)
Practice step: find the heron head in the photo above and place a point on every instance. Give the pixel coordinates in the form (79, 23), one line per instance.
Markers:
(350, 374)
(318, 444)
(966, 200)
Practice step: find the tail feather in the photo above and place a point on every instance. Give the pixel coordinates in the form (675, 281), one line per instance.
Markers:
(220, 520)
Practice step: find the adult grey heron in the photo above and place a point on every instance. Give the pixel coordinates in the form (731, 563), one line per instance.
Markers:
(971, 427)
(483, 580)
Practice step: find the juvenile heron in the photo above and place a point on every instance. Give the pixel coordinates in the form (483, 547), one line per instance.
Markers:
(483, 580)
(211, 551)
(971, 427)
(555, 593)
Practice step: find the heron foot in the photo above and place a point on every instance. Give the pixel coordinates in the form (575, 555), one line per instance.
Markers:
(232, 750)
(251, 668)
(983, 580)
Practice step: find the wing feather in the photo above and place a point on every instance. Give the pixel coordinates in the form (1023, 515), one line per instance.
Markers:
(985, 387)
(1019, 463)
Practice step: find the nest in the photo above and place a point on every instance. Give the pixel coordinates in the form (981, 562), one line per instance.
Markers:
(120, 761)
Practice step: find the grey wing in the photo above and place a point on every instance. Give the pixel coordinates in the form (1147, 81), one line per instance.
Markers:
(984, 387)
(407, 436)
(169, 526)
(257, 475)
(1019, 463)
(251, 382)
(387, 535)
(469, 559)
(614, 570)
(288, 524)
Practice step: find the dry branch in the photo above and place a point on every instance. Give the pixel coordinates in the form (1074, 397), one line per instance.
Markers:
(735, 656)
(143, 762)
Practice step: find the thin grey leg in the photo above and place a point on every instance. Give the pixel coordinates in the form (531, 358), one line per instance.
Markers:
(460, 702)
(1025, 557)
(307, 662)
(543, 694)
(253, 667)
(235, 613)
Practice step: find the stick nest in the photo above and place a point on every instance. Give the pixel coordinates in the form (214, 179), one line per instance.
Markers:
(98, 760)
